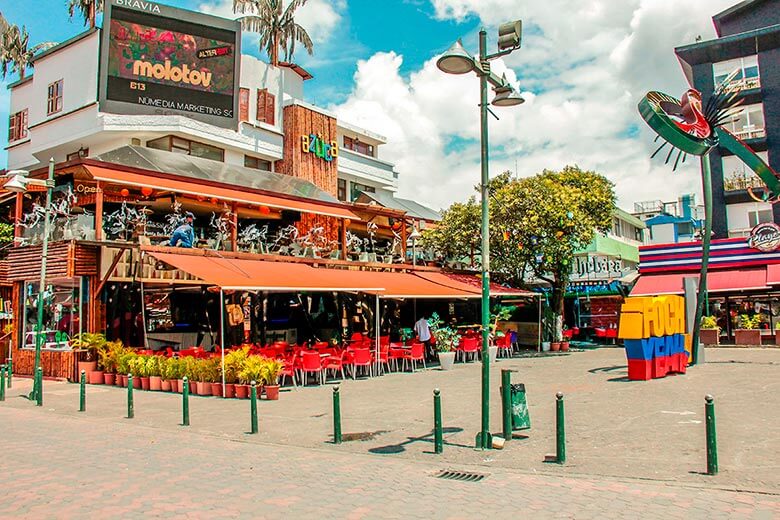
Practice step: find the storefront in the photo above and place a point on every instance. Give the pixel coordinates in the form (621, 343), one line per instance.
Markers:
(743, 280)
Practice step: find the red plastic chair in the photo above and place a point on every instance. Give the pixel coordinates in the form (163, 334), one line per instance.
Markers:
(470, 347)
(414, 355)
(504, 344)
(311, 363)
(394, 354)
(291, 366)
(335, 362)
(361, 357)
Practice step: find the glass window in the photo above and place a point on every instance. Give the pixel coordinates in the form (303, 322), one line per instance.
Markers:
(342, 189)
(17, 126)
(357, 188)
(355, 145)
(761, 216)
(54, 98)
(745, 70)
(748, 123)
(62, 312)
(738, 176)
(175, 144)
(206, 151)
(257, 163)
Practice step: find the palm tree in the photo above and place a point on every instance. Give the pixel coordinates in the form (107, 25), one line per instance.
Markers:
(88, 8)
(276, 27)
(15, 53)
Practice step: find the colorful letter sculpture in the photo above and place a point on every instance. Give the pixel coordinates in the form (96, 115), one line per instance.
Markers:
(653, 331)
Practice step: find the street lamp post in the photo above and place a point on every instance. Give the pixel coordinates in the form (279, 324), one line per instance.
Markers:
(19, 183)
(457, 61)
(413, 238)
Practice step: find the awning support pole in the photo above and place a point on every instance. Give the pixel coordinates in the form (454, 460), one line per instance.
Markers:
(143, 300)
(222, 334)
(539, 328)
(377, 333)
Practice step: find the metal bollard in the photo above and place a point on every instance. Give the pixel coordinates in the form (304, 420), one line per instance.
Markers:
(336, 415)
(130, 407)
(712, 440)
(560, 430)
(39, 396)
(253, 406)
(2, 382)
(83, 392)
(438, 436)
(10, 371)
(185, 402)
(506, 402)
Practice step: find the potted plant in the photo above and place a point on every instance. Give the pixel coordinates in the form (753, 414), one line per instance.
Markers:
(153, 370)
(200, 375)
(709, 333)
(144, 367)
(166, 382)
(108, 362)
(447, 340)
(190, 369)
(777, 333)
(748, 332)
(251, 371)
(137, 368)
(271, 369)
(123, 367)
(89, 343)
(234, 362)
(214, 375)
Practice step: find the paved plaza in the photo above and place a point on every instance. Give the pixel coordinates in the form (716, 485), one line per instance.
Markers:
(634, 448)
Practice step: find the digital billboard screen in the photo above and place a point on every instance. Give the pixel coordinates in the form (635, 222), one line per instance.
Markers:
(161, 60)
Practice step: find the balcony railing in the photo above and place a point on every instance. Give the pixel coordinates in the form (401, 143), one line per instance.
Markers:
(742, 181)
(750, 132)
(743, 84)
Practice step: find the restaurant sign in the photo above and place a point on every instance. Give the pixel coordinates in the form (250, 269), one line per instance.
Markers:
(765, 237)
(316, 144)
(596, 267)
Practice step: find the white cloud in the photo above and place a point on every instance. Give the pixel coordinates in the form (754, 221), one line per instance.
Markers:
(586, 64)
(320, 18)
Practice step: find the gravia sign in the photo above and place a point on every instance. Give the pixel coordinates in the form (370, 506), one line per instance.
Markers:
(157, 59)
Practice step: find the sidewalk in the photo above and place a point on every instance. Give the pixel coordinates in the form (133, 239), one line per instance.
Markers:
(647, 430)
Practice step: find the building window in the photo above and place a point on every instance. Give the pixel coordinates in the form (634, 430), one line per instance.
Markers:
(748, 123)
(243, 104)
(738, 176)
(266, 106)
(746, 76)
(356, 146)
(761, 216)
(54, 101)
(639, 236)
(171, 143)
(257, 163)
(17, 126)
(342, 190)
(357, 188)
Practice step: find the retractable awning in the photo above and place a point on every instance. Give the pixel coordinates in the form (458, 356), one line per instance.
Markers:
(735, 280)
(473, 284)
(193, 187)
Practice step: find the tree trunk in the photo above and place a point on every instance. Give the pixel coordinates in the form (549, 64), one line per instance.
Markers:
(92, 14)
(558, 295)
(275, 50)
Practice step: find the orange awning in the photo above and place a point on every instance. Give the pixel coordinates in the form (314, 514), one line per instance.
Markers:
(399, 285)
(470, 283)
(193, 187)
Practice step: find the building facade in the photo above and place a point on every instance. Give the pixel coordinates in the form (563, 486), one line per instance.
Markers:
(748, 44)
(670, 222)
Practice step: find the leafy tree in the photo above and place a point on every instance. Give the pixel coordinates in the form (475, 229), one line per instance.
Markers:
(15, 53)
(89, 9)
(275, 26)
(536, 226)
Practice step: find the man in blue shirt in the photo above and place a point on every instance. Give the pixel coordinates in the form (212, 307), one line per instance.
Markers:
(184, 235)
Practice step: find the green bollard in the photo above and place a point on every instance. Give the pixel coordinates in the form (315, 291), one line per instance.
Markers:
(712, 441)
(560, 437)
(336, 415)
(2, 382)
(185, 402)
(83, 392)
(10, 371)
(506, 402)
(438, 436)
(253, 406)
(130, 407)
(39, 396)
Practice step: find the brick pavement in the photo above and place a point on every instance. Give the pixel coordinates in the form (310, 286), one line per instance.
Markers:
(57, 466)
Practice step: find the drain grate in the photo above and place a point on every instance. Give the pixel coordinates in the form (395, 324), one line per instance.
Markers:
(461, 476)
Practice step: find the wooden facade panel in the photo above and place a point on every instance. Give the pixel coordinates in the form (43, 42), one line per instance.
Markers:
(65, 260)
(59, 365)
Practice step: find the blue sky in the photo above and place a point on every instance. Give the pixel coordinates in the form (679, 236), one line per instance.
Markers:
(582, 69)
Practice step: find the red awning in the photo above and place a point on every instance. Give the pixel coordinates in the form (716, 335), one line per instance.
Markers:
(471, 283)
(192, 187)
(717, 281)
(773, 274)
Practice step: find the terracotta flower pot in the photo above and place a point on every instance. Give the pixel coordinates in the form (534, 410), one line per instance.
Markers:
(564, 346)
(109, 379)
(87, 366)
(136, 382)
(272, 392)
(144, 383)
(230, 390)
(216, 389)
(166, 385)
(555, 346)
(747, 337)
(95, 377)
(242, 391)
(121, 380)
(178, 385)
(155, 383)
(203, 388)
(193, 388)
(709, 336)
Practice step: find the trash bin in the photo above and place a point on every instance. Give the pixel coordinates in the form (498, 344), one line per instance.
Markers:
(521, 420)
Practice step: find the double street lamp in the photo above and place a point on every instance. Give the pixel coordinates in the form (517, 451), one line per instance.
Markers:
(458, 61)
(19, 182)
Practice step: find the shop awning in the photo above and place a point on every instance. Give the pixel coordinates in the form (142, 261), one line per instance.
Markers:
(717, 282)
(773, 274)
(471, 283)
(193, 187)
(261, 275)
